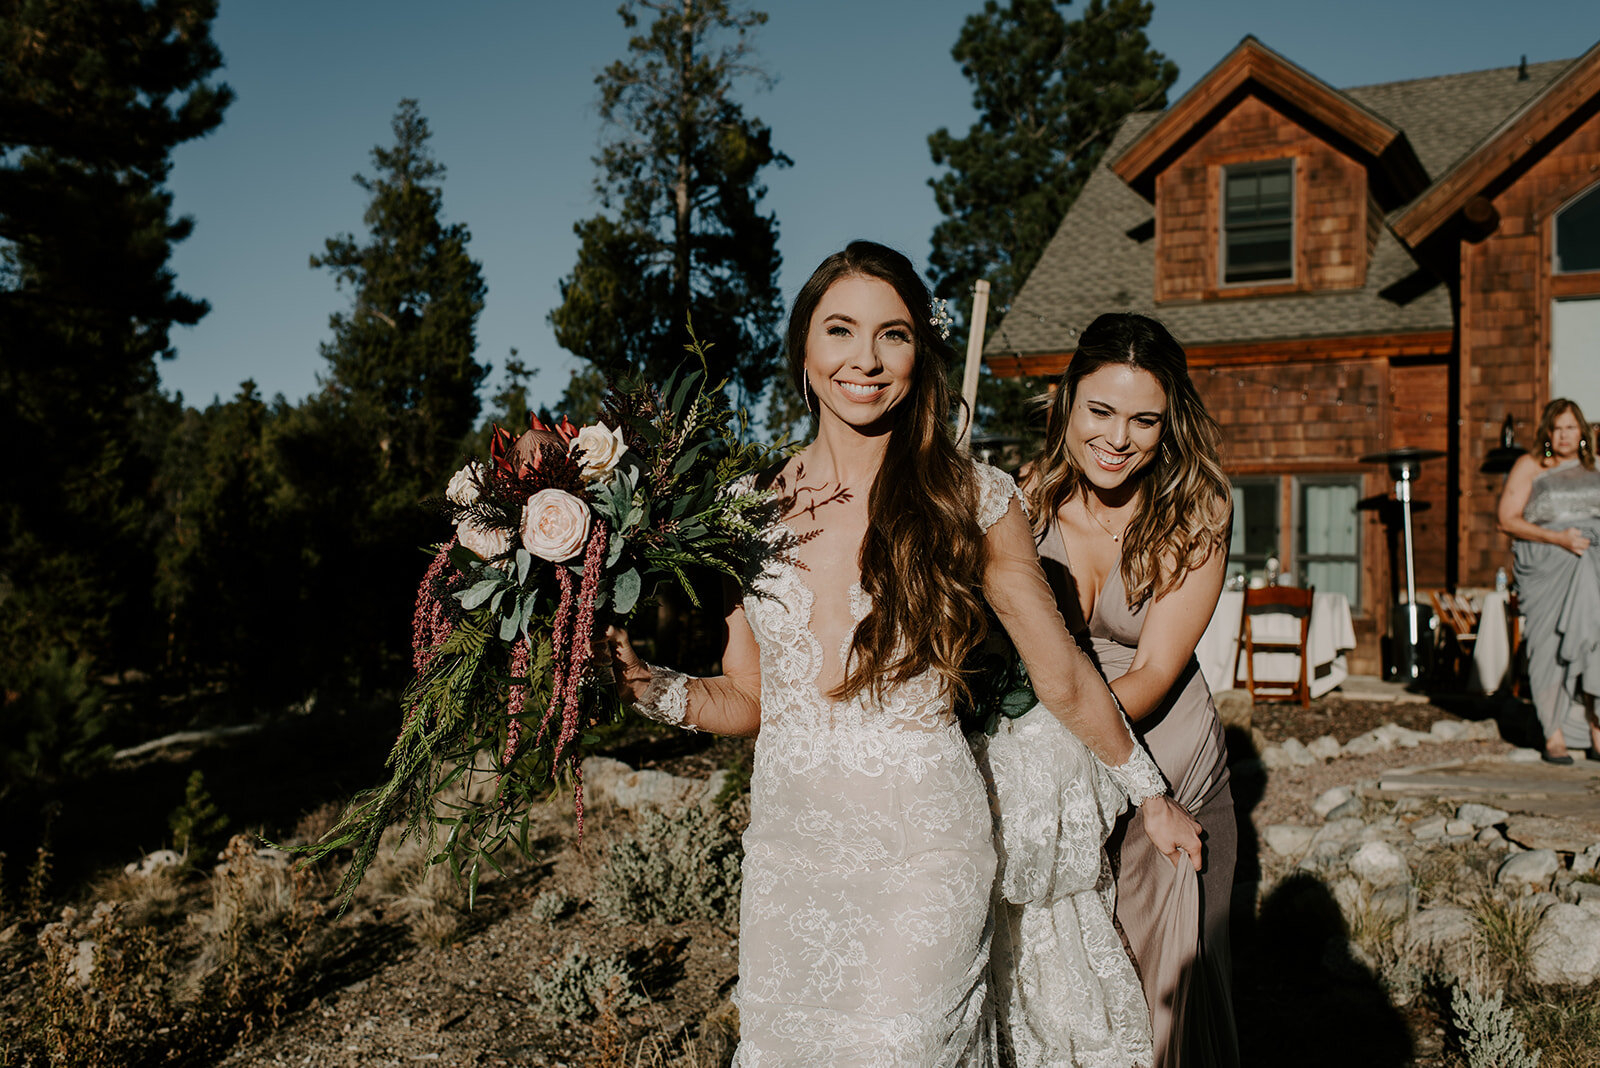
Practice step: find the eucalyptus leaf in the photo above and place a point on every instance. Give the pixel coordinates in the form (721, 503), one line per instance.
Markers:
(473, 596)
(524, 562)
(625, 591)
(509, 625)
(614, 550)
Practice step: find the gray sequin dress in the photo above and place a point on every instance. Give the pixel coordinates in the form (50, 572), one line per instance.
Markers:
(1559, 594)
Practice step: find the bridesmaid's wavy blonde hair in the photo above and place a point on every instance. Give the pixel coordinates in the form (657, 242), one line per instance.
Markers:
(1185, 506)
(923, 554)
(1547, 426)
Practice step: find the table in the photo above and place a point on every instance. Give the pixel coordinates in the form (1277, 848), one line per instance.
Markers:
(1331, 635)
(1491, 650)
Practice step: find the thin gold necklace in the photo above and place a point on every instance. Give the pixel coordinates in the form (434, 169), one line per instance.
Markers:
(1116, 535)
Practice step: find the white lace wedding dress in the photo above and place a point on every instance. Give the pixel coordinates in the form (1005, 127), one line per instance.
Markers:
(869, 860)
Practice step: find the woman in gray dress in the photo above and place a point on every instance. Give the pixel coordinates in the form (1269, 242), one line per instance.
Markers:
(1132, 513)
(1551, 506)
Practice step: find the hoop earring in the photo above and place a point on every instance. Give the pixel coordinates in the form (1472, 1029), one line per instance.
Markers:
(805, 387)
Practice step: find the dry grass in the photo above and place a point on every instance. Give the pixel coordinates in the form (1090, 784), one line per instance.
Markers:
(1566, 1027)
(1505, 930)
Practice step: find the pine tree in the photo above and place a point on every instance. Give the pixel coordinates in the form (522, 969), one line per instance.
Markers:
(682, 234)
(397, 412)
(1049, 94)
(94, 96)
(401, 360)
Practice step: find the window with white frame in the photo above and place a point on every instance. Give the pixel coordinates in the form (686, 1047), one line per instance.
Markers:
(1328, 535)
(1577, 244)
(1258, 222)
(1255, 526)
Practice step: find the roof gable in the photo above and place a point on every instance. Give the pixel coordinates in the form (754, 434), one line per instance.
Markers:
(1252, 65)
(1522, 134)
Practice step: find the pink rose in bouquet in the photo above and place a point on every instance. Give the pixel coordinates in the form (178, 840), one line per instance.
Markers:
(555, 525)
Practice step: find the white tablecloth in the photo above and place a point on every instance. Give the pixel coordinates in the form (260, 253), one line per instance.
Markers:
(1332, 634)
(1491, 652)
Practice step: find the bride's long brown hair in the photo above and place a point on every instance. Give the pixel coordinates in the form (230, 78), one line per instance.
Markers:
(1185, 502)
(923, 554)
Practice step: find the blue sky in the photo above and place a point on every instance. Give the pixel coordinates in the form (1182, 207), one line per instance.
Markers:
(508, 88)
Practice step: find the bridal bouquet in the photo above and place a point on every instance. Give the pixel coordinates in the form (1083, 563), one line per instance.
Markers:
(557, 533)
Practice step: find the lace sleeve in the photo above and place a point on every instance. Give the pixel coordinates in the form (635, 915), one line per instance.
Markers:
(666, 699)
(1138, 776)
(995, 491)
(1064, 679)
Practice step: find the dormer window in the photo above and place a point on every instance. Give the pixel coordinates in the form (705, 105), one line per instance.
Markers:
(1258, 222)
(1578, 234)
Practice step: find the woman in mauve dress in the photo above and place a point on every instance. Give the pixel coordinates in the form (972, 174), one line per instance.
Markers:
(1551, 506)
(1132, 513)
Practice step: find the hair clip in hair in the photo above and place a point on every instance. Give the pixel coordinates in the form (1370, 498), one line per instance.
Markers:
(941, 318)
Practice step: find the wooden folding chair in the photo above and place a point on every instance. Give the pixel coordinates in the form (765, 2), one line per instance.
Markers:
(1457, 631)
(1275, 600)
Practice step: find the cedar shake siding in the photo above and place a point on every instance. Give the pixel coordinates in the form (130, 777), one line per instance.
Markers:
(1418, 307)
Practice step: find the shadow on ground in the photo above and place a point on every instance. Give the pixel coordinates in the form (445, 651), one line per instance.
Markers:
(1300, 996)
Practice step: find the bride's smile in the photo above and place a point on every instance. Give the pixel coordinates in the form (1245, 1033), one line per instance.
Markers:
(860, 351)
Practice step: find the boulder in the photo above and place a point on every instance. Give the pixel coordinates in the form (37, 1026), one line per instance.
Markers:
(1532, 870)
(1587, 860)
(635, 790)
(1394, 903)
(1582, 892)
(1482, 730)
(1400, 737)
(1324, 748)
(1351, 809)
(1330, 799)
(1491, 837)
(1425, 830)
(1233, 708)
(1459, 829)
(1287, 839)
(160, 860)
(1448, 730)
(1566, 948)
(1370, 742)
(1273, 757)
(1381, 864)
(1443, 938)
(1523, 756)
(1542, 832)
(1298, 754)
(1481, 815)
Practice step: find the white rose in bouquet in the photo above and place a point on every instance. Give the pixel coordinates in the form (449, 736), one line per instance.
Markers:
(487, 542)
(555, 525)
(598, 448)
(463, 488)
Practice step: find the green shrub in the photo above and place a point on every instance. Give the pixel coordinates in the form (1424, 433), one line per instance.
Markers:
(578, 985)
(1488, 1031)
(683, 866)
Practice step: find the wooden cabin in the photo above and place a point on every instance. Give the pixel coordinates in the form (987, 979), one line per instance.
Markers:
(1350, 271)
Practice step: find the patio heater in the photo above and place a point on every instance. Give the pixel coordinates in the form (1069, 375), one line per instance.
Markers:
(1404, 464)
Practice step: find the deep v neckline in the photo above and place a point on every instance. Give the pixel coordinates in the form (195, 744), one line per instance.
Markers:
(1113, 575)
(854, 595)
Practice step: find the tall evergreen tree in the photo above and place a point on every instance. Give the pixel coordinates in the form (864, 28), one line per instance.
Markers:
(683, 234)
(401, 360)
(397, 410)
(1050, 94)
(94, 96)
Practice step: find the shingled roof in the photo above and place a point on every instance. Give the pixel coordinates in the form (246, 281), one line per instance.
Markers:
(1102, 257)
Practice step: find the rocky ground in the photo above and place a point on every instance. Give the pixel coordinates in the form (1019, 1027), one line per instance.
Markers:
(1364, 883)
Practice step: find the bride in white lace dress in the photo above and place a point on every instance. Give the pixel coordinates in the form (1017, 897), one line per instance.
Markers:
(869, 860)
